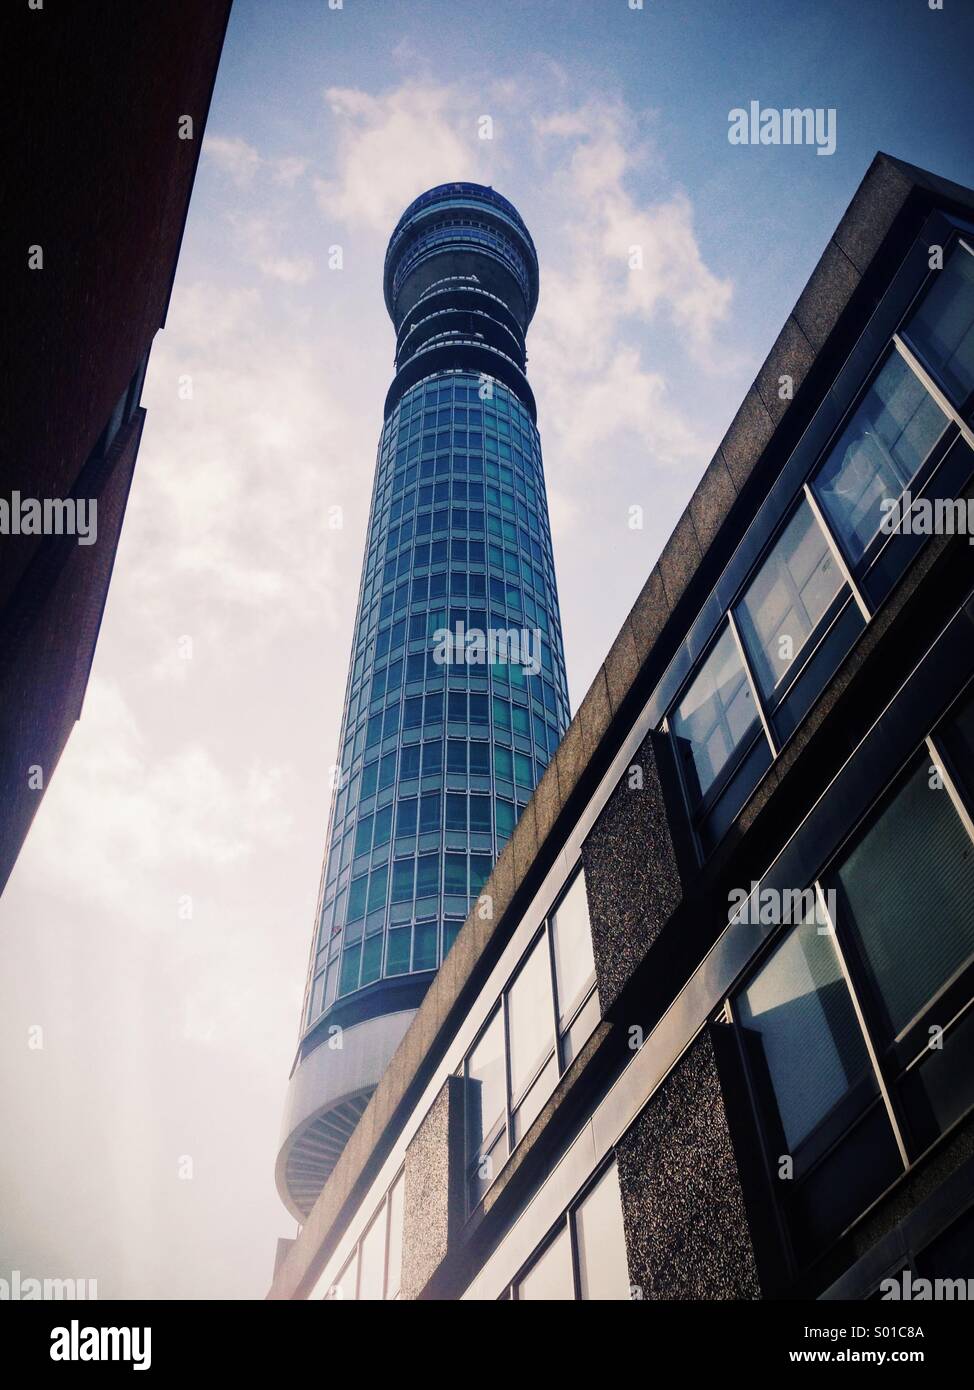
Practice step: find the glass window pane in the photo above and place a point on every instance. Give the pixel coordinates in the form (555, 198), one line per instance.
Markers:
(373, 1259)
(402, 881)
(714, 717)
(787, 597)
(907, 892)
(455, 874)
(890, 434)
(485, 1090)
(550, 1277)
(535, 1098)
(377, 887)
(603, 1268)
(801, 1033)
(572, 940)
(529, 1014)
(394, 1269)
(344, 1285)
(943, 325)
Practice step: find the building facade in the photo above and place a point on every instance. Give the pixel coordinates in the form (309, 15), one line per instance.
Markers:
(104, 139)
(456, 696)
(716, 1040)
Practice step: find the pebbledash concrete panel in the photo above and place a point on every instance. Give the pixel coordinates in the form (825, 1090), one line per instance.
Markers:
(632, 877)
(687, 1235)
(433, 1209)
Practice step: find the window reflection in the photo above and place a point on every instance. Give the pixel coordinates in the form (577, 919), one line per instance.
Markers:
(572, 942)
(888, 437)
(803, 1035)
(787, 597)
(530, 1020)
(515, 1064)
(943, 326)
(714, 717)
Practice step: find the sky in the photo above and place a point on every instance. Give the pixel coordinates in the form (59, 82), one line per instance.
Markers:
(156, 927)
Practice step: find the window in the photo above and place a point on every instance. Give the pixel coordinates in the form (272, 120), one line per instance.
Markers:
(906, 891)
(429, 812)
(377, 887)
(533, 1052)
(721, 748)
(942, 328)
(828, 1139)
(427, 875)
(530, 1020)
(374, 1269)
(786, 599)
(889, 435)
(802, 1031)
(394, 1262)
(603, 1267)
(856, 1035)
(577, 1000)
(455, 874)
(406, 816)
(550, 1277)
(485, 1108)
(372, 1253)
(402, 880)
(586, 1258)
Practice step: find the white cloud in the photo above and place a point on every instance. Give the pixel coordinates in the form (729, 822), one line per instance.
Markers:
(233, 157)
(122, 813)
(289, 169)
(241, 162)
(392, 147)
(234, 484)
(261, 240)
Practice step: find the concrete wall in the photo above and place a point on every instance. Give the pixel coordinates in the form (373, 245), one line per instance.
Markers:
(686, 1231)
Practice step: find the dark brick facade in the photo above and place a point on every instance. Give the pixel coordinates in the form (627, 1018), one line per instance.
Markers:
(96, 176)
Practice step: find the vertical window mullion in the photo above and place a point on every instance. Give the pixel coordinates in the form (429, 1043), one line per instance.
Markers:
(508, 1112)
(553, 992)
(386, 1216)
(881, 1080)
(837, 554)
(573, 1253)
(749, 676)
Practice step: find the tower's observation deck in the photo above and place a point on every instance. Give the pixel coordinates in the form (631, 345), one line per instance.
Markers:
(461, 286)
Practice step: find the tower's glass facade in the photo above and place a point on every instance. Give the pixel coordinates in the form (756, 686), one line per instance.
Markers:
(442, 742)
(441, 747)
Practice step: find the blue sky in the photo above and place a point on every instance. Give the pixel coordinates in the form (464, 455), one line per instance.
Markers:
(200, 767)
